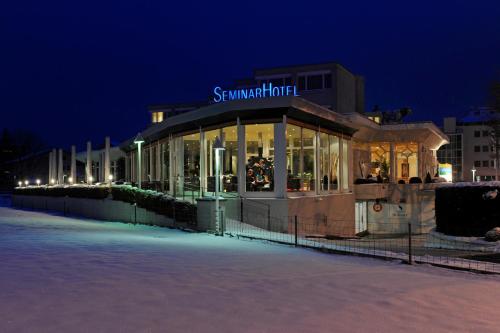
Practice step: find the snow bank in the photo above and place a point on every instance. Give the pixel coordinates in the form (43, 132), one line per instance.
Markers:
(62, 274)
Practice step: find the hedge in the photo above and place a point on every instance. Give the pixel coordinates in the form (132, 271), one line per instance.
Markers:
(464, 210)
(154, 201)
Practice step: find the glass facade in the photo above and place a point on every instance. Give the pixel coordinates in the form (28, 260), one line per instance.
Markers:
(406, 160)
(259, 157)
(316, 162)
(380, 154)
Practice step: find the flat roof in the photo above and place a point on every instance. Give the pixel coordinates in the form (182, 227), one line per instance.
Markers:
(250, 110)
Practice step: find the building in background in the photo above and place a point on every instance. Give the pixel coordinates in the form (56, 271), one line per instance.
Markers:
(471, 146)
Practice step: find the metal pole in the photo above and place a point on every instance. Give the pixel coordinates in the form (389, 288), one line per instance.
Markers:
(217, 180)
(410, 261)
(269, 218)
(296, 231)
(241, 209)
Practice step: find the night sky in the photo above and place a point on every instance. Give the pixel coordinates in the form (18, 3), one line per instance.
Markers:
(79, 70)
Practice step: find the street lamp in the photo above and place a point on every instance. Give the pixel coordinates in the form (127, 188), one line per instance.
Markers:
(110, 178)
(38, 182)
(473, 175)
(20, 184)
(70, 180)
(26, 182)
(139, 140)
(218, 147)
(52, 181)
(90, 179)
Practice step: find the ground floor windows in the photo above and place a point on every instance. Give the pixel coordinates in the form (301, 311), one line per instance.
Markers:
(309, 161)
(191, 145)
(380, 161)
(259, 141)
(406, 161)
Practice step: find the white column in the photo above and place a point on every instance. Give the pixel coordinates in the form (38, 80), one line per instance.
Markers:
(88, 165)
(280, 172)
(127, 168)
(73, 164)
(158, 161)
(393, 165)
(54, 165)
(107, 160)
(151, 163)
(171, 164)
(242, 157)
(203, 162)
(60, 174)
(420, 161)
(50, 168)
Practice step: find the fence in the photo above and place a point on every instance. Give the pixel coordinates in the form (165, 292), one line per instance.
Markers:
(336, 237)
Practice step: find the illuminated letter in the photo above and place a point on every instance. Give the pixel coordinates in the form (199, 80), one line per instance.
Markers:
(233, 94)
(276, 91)
(288, 90)
(282, 90)
(295, 91)
(269, 90)
(218, 97)
(258, 92)
(224, 95)
(244, 94)
(251, 94)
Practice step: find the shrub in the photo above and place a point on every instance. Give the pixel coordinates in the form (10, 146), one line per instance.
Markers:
(415, 180)
(360, 181)
(466, 211)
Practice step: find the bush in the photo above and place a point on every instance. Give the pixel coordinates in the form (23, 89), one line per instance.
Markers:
(466, 211)
(93, 192)
(401, 181)
(415, 180)
(360, 181)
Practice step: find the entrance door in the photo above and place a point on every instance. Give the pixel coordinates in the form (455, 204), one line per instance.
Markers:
(361, 216)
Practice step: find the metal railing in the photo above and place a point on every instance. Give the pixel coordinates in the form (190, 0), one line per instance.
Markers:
(337, 237)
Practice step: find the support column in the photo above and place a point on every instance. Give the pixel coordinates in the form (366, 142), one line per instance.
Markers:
(107, 160)
(242, 177)
(54, 165)
(73, 164)
(280, 172)
(420, 161)
(158, 161)
(151, 163)
(88, 164)
(50, 168)
(393, 166)
(60, 170)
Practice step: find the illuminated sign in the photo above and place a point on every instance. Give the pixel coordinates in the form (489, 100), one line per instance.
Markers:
(266, 90)
(446, 171)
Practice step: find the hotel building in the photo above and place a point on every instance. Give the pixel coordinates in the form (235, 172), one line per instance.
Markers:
(297, 155)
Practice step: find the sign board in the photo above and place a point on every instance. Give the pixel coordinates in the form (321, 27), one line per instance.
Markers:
(266, 90)
(445, 170)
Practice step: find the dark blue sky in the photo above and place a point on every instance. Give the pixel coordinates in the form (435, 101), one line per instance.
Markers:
(78, 70)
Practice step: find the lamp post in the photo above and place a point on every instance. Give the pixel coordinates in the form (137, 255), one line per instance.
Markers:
(473, 175)
(20, 184)
(218, 147)
(38, 182)
(139, 140)
(110, 178)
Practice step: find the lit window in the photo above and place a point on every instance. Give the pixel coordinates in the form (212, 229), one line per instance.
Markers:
(157, 117)
(259, 157)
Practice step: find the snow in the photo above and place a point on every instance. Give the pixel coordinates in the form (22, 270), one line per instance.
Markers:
(61, 274)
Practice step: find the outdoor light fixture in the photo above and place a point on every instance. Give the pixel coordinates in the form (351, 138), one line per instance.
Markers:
(218, 147)
(70, 180)
(20, 184)
(91, 179)
(139, 140)
(26, 182)
(38, 182)
(110, 177)
(52, 181)
(473, 174)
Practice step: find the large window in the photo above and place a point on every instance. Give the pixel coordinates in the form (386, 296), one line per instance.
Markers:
(345, 164)
(309, 159)
(259, 157)
(293, 157)
(191, 143)
(407, 160)
(165, 165)
(380, 160)
(334, 161)
(229, 137)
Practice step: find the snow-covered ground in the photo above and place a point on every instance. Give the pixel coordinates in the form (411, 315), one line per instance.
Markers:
(61, 274)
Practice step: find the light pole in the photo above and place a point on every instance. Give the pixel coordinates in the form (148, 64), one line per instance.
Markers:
(139, 140)
(110, 178)
(473, 175)
(218, 147)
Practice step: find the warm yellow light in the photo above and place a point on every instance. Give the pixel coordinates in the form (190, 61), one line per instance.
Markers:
(70, 179)
(20, 184)
(52, 181)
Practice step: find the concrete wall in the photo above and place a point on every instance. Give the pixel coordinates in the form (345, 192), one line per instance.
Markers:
(401, 204)
(107, 209)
